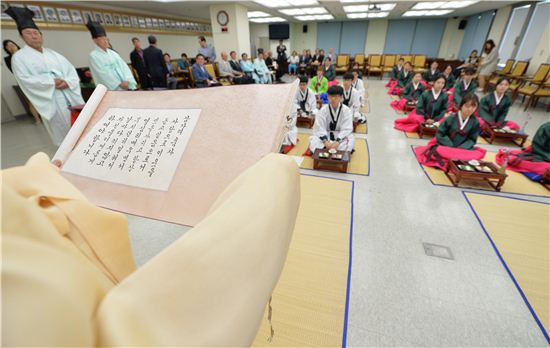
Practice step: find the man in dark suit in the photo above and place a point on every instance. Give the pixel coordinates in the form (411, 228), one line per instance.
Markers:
(200, 74)
(154, 62)
(138, 62)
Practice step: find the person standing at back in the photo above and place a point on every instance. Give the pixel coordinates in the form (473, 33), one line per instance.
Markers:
(138, 63)
(154, 62)
(207, 51)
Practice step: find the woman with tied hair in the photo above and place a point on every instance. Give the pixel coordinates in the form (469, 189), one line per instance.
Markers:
(456, 137)
(493, 108)
(489, 60)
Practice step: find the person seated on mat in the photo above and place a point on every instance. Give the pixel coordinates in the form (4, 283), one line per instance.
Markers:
(411, 93)
(464, 85)
(493, 108)
(304, 103)
(431, 74)
(293, 62)
(319, 83)
(395, 73)
(352, 99)
(264, 74)
(430, 108)
(200, 74)
(403, 79)
(329, 71)
(248, 68)
(449, 79)
(535, 159)
(455, 138)
(358, 84)
(333, 128)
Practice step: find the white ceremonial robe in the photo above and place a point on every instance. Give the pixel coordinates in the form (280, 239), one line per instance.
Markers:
(110, 70)
(35, 72)
(342, 131)
(360, 87)
(264, 74)
(354, 103)
(310, 106)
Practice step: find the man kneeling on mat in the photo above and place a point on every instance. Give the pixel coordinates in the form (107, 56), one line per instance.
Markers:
(455, 138)
(333, 128)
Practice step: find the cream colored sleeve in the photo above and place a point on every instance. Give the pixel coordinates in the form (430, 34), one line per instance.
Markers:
(211, 286)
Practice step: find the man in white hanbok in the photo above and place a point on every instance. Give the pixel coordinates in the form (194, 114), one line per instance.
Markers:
(358, 84)
(333, 128)
(352, 99)
(106, 65)
(48, 79)
(304, 103)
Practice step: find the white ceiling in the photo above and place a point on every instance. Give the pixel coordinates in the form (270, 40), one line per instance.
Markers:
(200, 9)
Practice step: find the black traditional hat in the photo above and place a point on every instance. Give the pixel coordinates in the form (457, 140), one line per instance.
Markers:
(23, 17)
(95, 28)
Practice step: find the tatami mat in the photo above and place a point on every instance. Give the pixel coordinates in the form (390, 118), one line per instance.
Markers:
(309, 302)
(519, 232)
(359, 163)
(515, 182)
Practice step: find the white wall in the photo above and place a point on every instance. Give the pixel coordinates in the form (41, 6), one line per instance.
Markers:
(542, 53)
(499, 24)
(76, 47)
(237, 37)
(376, 36)
(261, 30)
(302, 41)
(451, 40)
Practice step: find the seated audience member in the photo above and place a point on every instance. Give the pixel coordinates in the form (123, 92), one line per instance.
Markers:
(271, 64)
(333, 128)
(472, 63)
(405, 76)
(352, 99)
(234, 61)
(171, 79)
(183, 62)
(431, 74)
(329, 71)
(357, 83)
(248, 68)
(304, 59)
(293, 62)
(463, 86)
(227, 71)
(493, 108)
(411, 93)
(395, 71)
(535, 159)
(304, 103)
(431, 107)
(263, 72)
(356, 67)
(455, 138)
(450, 79)
(319, 84)
(200, 74)
(331, 55)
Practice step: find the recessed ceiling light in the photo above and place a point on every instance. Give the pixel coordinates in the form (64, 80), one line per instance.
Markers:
(366, 8)
(315, 17)
(441, 5)
(303, 11)
(286, 3)
(426, 13)
(267, 20)
(357, 15)
(305, 18)
(255, 14)
(324, 17)
(378, 15)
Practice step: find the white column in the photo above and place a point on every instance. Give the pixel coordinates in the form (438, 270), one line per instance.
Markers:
(237, 36)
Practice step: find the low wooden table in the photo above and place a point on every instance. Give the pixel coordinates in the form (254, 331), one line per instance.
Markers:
(307, 120)
(330, 163)
(409, 107)
(545, 181)
(424, 129)
(490, 134)
(493, 178)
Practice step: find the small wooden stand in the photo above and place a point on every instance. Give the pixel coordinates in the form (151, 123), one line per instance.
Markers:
(423, 129)
(330, 163)
(494, 178)
(490, 134)
(307, 120)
